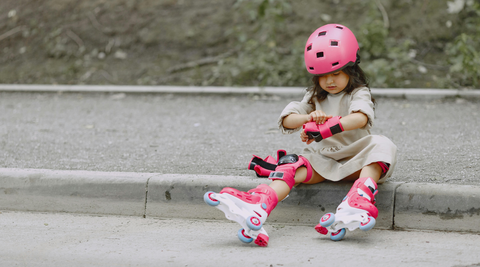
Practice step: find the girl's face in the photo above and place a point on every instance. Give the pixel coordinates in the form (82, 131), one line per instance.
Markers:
(335, 82)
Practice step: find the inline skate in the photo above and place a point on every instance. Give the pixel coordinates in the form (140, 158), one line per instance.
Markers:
(357, 210)
(249, 209)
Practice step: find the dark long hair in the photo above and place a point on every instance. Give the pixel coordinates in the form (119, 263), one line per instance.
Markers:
(357, 78)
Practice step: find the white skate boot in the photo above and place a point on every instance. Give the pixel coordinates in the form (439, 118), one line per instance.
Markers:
(357, 210)
(249, 209)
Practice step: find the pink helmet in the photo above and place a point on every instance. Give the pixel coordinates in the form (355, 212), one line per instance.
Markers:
(330, 48)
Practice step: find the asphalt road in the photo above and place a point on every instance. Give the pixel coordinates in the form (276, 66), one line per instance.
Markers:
(37, 239)
(216, 134)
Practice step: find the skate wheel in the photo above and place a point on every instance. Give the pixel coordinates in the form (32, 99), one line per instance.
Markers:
(338, 235)
(262, 240)
(254, 223)
(209, 199)
(368, 225)
(320, 229)
(243, 237)
(327, 219)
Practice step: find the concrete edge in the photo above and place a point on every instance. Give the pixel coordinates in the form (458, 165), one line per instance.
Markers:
(406, 93)
(401, 205)
(438, 207)
(73, 191)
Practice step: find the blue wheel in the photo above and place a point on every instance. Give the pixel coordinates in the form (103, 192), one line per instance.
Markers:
(368, 225)
(337, 236)
(254, 223)
(243, 237)
(327, 219)
(209, 199)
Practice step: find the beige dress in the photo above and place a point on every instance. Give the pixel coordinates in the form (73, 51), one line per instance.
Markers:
(347, 152)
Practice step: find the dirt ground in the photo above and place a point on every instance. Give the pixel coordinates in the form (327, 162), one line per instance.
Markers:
(139, 42)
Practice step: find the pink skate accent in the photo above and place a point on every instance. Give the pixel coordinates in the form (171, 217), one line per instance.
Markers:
(263, 194)
(246, 197)
(286, 172)
(360, 202)
(262, 240)
(322, 131)
(320, 229)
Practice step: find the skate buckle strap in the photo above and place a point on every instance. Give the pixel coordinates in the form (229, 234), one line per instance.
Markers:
(270, 201)
(369, 190)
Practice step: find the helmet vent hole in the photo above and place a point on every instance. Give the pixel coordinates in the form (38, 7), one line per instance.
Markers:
(338, 27)
(310, 68)
(322, 33)
(309, 48)
(334, 43)
(319, 54)
(335, 64)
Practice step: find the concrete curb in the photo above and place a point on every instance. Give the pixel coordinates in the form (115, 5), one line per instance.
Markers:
(410, 93)
(401, 205)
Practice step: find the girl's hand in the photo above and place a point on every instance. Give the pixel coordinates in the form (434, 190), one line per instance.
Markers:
(319, 117)
(305, 139)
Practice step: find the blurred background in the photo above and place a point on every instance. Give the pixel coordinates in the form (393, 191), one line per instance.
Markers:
(403, 43)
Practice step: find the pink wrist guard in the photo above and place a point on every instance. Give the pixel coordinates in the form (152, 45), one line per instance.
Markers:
(321, 131)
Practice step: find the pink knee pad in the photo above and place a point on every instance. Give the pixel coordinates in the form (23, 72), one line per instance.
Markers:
(287, 167)
(321, 131)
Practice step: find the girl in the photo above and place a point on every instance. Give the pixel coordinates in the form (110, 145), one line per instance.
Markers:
(336, 115)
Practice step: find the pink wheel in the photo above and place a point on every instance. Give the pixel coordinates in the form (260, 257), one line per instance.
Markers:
(327, 219)
(337, 236)
(210, 200)
(369, 224)
(244, 237)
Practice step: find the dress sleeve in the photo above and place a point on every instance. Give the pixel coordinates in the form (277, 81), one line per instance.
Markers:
(296, 107)
(361, 101)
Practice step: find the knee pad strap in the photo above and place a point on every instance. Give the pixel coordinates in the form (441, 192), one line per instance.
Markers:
(263, 167)
(287, 167)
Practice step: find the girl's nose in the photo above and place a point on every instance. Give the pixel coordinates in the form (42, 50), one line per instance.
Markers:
(330, 78)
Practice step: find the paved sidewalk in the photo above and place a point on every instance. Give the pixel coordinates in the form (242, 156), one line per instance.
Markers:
(38, 239)
(155, 154)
